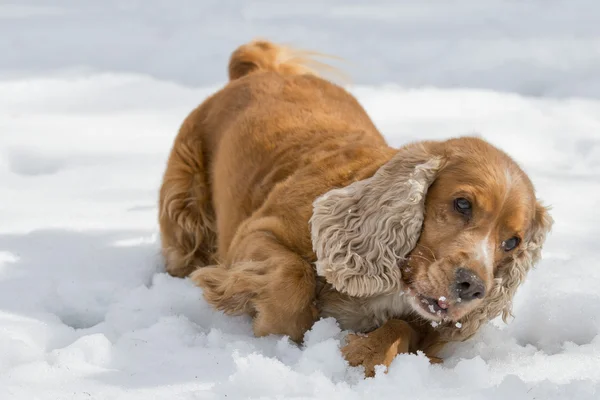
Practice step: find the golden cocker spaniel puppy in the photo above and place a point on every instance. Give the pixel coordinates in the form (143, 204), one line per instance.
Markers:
(282, 200)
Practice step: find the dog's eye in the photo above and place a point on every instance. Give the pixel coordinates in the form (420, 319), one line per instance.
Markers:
(511, 243)
(463, 206)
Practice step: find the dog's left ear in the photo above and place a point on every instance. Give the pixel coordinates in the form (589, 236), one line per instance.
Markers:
(513, 274)
(360, 233)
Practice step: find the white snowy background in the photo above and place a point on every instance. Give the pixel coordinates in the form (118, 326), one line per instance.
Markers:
(91, 96)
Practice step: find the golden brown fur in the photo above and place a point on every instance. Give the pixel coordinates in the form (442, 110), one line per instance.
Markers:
(283, 201)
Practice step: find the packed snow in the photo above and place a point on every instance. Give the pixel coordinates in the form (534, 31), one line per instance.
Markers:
(86, 310)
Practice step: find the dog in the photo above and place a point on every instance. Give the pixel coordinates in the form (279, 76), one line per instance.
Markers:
(283, 201)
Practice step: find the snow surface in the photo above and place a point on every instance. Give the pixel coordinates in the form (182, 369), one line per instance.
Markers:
(533, 47)
(86, 311)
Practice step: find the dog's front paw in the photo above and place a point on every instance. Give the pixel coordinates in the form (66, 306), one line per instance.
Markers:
(368, 351)
(380, 346)
(435, 360)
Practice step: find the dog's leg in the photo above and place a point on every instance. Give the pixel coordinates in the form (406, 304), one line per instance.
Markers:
(265, 279)
(186, 216)
(381, 346)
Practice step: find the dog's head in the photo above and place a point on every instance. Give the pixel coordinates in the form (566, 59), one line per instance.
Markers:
(453, 225)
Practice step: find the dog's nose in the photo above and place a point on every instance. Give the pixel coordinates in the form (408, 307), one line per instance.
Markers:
(468, 285)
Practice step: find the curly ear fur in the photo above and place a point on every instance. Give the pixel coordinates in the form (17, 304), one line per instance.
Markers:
(508, 278)
(361, 232)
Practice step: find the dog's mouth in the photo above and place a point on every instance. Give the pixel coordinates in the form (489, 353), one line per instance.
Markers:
(436, 307)
(437, 310)
(428, 307)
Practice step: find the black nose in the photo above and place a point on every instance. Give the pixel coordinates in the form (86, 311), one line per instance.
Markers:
(468, 285)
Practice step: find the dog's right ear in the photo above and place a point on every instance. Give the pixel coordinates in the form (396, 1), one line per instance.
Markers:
(361, 232)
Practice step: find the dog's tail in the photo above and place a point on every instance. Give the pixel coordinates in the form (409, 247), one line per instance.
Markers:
(262, 55)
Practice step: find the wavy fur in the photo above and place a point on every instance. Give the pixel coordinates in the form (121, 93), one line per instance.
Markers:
(361, 232)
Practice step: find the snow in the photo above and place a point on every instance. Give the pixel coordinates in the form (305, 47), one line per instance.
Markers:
(535, 47)
(87, 118)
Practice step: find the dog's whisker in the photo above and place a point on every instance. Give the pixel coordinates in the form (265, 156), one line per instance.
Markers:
(429, 249)
(418, 256)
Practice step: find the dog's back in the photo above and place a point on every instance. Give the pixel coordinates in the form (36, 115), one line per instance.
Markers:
(243, 173)
(274, 118)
